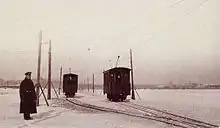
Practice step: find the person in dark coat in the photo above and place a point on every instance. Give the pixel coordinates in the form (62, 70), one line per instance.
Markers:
(27, 97)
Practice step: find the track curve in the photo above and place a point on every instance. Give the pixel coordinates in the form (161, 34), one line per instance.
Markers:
(150, 114)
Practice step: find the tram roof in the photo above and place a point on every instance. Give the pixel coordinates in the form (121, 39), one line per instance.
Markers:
(117, 69)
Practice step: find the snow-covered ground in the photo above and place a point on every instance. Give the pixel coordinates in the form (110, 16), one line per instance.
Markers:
(199, 104)
(59, 115)
(202, 105)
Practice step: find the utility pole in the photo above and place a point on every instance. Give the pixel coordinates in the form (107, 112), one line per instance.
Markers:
(49, 72)
(93, 83)
(132, 77)
(60, 79)
(88, 83)
(38, 67)
(49, 82)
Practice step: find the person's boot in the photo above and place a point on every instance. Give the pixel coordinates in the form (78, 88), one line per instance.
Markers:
(27, 116)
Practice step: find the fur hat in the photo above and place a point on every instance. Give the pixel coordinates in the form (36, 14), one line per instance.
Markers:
(28, 73)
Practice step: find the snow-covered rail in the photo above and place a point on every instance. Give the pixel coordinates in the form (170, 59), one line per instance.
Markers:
(147, 113)
(169, 116)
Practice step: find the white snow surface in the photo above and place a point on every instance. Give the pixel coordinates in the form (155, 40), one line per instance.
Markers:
(59, 115)
(200, 105)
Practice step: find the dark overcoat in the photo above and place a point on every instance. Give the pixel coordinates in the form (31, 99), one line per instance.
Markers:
(28, 97)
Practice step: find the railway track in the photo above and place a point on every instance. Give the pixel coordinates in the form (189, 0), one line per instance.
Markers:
(170, 116)
(150, 114)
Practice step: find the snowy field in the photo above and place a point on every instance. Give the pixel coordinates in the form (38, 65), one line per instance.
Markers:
(202, 105)
(199, 104)
(64, 116)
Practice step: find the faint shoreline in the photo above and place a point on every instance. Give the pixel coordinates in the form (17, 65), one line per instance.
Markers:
(138, 88)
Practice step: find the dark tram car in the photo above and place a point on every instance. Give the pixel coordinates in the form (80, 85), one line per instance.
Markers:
(70, 84)
(117, 83)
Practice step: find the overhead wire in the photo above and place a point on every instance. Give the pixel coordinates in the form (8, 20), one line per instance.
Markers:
(176, 3)
(162, 12)
(136, 48)
(173, 23)
(171, 6)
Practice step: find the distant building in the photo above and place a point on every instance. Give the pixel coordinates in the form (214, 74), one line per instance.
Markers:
(1, 81)
(190, 85)
(212, 86)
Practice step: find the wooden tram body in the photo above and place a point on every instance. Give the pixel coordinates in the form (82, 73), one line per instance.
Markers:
(117, 83)
(70, 84)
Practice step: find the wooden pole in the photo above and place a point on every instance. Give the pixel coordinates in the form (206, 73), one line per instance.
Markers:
(38, 67)
(88, 83)
(60, 79)
(49, 72)
(132, 77)
(93, 83)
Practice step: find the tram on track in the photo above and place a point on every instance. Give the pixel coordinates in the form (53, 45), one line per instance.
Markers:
(70, 84)
(117, 83)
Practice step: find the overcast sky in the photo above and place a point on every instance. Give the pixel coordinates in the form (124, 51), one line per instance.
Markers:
(172, 40)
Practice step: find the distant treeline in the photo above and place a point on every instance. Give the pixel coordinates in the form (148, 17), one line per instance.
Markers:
(16, 83)
(9, 86)
(188, 87)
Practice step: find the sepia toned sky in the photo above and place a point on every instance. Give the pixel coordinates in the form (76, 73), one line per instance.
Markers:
(172, 40)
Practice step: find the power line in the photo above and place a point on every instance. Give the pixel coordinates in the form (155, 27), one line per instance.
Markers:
(174, 23)
(176, 3)
(200, 5)
(160, 12)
